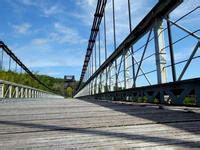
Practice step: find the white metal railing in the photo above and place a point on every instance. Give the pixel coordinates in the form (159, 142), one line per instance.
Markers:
(13, 90)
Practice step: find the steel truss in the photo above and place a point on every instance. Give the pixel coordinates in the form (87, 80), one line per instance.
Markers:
(167, 93)
(105, 82)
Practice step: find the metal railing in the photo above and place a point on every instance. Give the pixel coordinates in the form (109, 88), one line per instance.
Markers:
(140, 67)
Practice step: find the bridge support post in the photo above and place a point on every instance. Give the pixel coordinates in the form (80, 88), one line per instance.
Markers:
(160, 55)
(160, 51)
(126, 71)
(113, 78)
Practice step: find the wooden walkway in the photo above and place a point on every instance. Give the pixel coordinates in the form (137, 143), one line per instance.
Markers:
(76, 124)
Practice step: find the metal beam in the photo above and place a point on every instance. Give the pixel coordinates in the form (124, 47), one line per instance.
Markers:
(96, 23)
(171, 50)
(161, 9)
(177, 91)
(130, 28)
(14, 57)
(189, 60)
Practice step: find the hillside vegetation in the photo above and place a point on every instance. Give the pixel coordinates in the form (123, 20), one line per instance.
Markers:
(56, 84)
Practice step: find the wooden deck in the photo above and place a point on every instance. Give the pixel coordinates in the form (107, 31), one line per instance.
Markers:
(64, 124)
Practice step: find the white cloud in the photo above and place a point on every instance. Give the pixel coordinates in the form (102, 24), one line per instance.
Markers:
(53, 61)
(22, 28)
(61, 34)
(185, 7)
(39, 41)
(52, 10)
(47, 56)
(46, 8)
(138, 11)
(86, 11)
(28, 2)
(66, 34)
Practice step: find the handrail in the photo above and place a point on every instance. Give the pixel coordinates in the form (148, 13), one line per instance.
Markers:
(13, 90)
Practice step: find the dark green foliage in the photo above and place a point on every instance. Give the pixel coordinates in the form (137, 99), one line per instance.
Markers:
(190, 100)
(56, 84)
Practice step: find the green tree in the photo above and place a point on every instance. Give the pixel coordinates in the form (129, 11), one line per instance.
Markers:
(69, 92)
(55, 84)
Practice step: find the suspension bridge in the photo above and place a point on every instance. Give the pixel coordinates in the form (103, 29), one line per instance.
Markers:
(139, 96)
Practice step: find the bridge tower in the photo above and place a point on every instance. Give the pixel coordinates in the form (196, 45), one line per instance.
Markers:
(69, 81)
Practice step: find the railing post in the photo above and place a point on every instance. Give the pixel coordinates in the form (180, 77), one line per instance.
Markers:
(16, 92)
(10, 91)
(22, 92)
(13, 90)
(1, 60)
(32, 93)
(1, 90)
(39, 94)
(29, 93)
(26, 93)
(35, 94)
(44, 94)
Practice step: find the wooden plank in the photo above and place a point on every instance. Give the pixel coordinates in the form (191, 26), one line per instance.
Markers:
(60, 123)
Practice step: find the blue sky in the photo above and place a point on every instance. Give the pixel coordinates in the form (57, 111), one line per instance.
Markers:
(50, 36)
